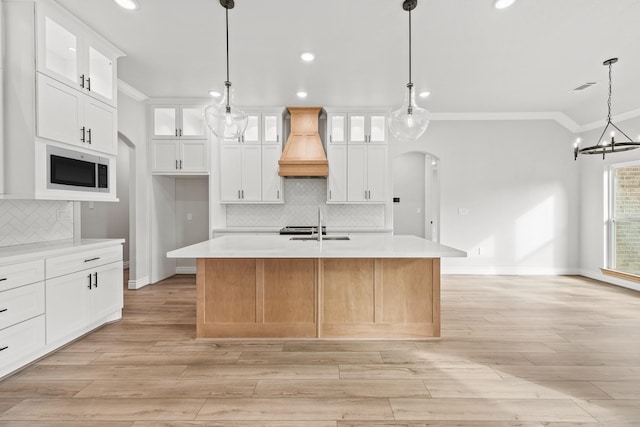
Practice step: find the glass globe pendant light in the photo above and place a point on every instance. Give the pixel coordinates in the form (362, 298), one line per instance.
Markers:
(225, 120)
(409, 122)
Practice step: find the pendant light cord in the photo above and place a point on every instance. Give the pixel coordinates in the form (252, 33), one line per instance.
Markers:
(227, 83)
(410, 48)
(609, 100)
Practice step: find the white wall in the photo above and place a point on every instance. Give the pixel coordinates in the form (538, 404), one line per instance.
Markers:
(110, 220)
(519, 184)
(163, 228)
(132, 124)
(593, 203)
(192, 201)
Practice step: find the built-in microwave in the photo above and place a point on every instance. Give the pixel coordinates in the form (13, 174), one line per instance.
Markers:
(76, 171)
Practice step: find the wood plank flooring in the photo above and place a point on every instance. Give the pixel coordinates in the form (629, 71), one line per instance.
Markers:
(515, 351)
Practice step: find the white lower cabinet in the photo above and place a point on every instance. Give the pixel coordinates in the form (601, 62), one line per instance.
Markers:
(76, 300)
(20, 341)
(177, 157)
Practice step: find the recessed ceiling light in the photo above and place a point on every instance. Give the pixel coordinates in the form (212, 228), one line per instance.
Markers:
(302, 94)
(424, 94)
(502, 4)
(307, 56)
(215, 93)
(127, 4)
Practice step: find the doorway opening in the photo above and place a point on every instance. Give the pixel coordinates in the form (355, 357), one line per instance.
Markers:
(416, 195)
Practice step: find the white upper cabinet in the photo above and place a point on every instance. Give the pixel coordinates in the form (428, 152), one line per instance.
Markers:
(175, 157)
(367, 128)
(272, 128)
(72, 54)
(178, 122)
(337, 128)
(366, 166)
(337, 179)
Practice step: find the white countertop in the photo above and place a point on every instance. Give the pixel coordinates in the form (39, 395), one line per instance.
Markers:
(360, 246)
(276, 230)
(18, 253)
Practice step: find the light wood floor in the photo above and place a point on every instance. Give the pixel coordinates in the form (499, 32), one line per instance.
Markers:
(515, 351)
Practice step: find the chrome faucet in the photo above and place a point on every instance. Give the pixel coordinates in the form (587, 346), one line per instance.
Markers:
(319, 224)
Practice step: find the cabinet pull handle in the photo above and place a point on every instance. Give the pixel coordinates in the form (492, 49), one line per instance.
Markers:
(89, 84)
(4, 348)
(83, 130)
(180, 132)
(89, 277)
(3, 279)
(92, 259)
(180, 164)
(329, 194)
(242, 193)
(176, 164)
(3, 310)
(176, 132)
(95, 275)
(278, 194)
(330, 138)
(278, 138)
(89, 135)
(82, 81)
(238, 194)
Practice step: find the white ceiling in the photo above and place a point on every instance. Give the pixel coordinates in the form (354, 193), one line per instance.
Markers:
(472, 57)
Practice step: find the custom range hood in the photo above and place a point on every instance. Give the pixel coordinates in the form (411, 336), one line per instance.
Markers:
(303, 154)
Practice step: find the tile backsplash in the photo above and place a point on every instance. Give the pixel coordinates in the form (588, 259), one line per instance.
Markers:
(302, 197)
(33, 221)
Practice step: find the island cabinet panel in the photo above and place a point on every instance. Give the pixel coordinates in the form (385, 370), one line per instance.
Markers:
(380, 298)
(256, 298)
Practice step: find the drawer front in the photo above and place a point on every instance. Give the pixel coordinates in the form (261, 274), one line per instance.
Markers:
(14, 275)
(71, 263)
(19, 304)
(21, 340)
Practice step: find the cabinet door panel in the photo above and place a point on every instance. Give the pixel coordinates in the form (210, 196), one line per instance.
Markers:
(271, 129)
(252, 133)
(100, 121)
(165, 122)
(194, 156)
(271, 181)
(230, 172)
(19, 304)
(101, 70)
(164, 156)
(376, 172)
(357, 128)
(251, 173)
(356, 169)
(378, 126)
(107, 292)
(337, 179)
(67, 305)
(59, 112)
(21, 340)
(193, 125)
(59, 45)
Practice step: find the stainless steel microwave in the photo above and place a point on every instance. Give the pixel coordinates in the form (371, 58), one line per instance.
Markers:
(76, 171)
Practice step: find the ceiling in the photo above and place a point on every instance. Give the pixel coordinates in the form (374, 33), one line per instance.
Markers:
(470, 56)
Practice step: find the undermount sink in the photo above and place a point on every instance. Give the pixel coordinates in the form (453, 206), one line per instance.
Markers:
(323, 238)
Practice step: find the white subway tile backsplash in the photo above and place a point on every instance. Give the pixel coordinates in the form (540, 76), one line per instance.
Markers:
(33, 221)
(302, 197)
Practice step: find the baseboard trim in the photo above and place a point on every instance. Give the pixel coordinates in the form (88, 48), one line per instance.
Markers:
(125, 265)
(511, 271)
(185, 270)
(138, 283)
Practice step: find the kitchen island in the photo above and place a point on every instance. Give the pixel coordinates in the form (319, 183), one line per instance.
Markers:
(370, 286)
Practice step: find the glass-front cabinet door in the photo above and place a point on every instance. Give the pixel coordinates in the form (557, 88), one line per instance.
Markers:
(377, 128)
(252, 134)
(59, 46)
(193, 125)
(165, 122)
(100, 78)
(357, 128)
(271, 128)
(337, 128)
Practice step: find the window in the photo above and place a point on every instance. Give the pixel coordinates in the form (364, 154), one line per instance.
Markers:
(624, 219)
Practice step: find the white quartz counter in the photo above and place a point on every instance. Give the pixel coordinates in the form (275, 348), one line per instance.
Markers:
(19, 253)
(360, 246)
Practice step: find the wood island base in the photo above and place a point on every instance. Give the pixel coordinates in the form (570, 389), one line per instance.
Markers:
(391, 298)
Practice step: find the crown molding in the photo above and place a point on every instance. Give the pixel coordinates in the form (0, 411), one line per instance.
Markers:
(617, 118)
(131, 91)
(558, 117)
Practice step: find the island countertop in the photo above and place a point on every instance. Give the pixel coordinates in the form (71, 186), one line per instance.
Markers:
(359, 246)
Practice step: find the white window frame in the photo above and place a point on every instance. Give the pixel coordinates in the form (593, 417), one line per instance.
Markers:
(611, 218)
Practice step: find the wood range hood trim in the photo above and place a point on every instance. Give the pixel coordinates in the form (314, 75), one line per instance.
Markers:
(303, 154)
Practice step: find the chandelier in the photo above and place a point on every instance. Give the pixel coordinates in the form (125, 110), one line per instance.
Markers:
(603, 146)
(224, 119)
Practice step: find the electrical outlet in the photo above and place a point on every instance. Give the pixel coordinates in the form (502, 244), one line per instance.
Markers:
(189, 216)
(63, 215)
(463, 211)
